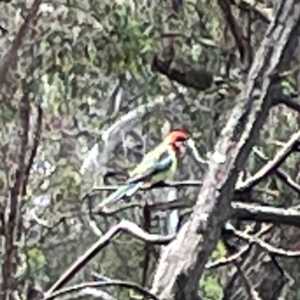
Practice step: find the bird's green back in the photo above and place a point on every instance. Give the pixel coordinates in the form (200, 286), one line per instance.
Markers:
(151, 158)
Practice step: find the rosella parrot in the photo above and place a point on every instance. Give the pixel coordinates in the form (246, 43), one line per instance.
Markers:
(158, 165)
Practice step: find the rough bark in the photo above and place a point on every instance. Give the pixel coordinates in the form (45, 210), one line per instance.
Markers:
(182, 261)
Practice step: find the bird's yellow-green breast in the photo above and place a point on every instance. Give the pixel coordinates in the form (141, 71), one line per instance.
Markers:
(151, 158)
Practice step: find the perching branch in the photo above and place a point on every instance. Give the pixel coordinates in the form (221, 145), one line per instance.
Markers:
(240, 210)
(263, 173)
(177, 184)
(123, 227)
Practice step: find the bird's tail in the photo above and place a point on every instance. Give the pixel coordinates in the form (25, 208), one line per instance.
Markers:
(123, 191)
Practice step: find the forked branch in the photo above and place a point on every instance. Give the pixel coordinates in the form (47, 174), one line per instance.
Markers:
(262, 244)
(123, 227)
(273, 164)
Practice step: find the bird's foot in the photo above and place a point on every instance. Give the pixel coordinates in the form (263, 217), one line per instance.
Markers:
(159, 184)
(147, 185)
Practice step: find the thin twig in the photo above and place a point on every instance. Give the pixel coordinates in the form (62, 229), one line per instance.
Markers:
(36, 140)
(234, 257)
(235, 29)
(264, 245)
(280, 173)
(13, 223)
(271, 165)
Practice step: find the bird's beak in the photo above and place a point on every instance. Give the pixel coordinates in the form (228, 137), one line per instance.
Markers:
(192, 147)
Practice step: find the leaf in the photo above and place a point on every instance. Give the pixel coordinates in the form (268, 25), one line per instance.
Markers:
(288, 88)
(36, 258)
(196, 51)
(211, 288)
(147, 48)
(91, 161)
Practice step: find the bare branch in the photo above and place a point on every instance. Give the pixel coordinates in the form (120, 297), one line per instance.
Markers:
(123, 227)
(234, 257)
(272, 165)
(280, 173)
(111, 212)
(97, 284)
(235, 29)
(242, 211)
(251, 212)
(227, 260)
(252, 5)
(36, 140)
(265, 246)
(12, 225)
(290, 103)
(180, 70)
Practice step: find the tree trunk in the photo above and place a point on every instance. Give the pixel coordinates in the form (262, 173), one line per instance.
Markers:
(182, 261)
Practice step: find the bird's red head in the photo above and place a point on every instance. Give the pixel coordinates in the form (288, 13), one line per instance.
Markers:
(176, 137)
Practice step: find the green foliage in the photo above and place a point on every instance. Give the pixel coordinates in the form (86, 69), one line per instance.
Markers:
(70, 64)
(210, 287)
(36, 258)
(219, 252)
